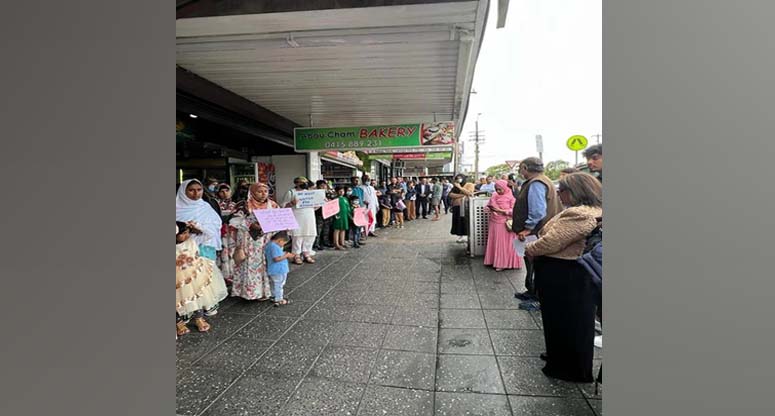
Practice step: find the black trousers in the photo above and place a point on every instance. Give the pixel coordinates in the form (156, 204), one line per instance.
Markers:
(568, 311)
(421, 206)
(530, 276)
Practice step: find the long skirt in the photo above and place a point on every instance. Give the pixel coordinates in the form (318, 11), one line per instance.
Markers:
(251, 280)
(459, 224)
(500, 252)
(568, 311)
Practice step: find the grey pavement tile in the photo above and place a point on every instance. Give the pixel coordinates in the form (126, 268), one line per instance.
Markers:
(330, 311)
(458, 287)
(456, 301)
(317, 396)
(472, 404)
(420, 287)
(549, 406)
(461, 318)
(523, 343)
(509, 319)
(345, 363)
(234, 355)
(287, 359)
(294, 309)
(266, 328)
(196, 388)
(416, 316)
(308, 293)
(258, 395)
(224, 325)
(425, 277)
(597, 406)
(382, 401)
(425, 300)
(227, 303)
(378, 314)
(193, 346)
(537, 318)
(249, 307)
(359, 334)
(411, 338)
(505, 300)
(523, 376)
(464, 341)
(311, 332)
(468, 374)
(414, 370)
(381, 297)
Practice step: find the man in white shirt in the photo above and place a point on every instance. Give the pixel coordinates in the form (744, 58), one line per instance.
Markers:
(370, 199)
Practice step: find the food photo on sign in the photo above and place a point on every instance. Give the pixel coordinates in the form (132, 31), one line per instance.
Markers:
(438, 133)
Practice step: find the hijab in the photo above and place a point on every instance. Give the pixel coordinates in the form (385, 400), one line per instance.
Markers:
(227, 204)
(201, 213)
(505, 201)
(253, 202)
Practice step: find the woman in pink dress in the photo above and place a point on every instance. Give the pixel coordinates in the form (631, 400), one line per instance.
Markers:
(500, 249)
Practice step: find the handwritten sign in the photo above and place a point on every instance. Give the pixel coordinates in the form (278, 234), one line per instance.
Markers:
(519, 246)
(361, 217)
(331, 208)
(276, 219)
(310, 199)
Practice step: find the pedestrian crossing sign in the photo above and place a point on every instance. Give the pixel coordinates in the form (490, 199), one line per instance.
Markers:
(577, 143)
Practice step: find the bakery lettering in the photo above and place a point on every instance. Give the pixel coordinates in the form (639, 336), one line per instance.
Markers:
(388, 132)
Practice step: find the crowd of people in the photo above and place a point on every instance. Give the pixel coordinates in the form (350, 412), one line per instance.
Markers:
(219, 240)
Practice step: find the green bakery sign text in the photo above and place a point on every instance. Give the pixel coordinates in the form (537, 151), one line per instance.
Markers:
(372, 137)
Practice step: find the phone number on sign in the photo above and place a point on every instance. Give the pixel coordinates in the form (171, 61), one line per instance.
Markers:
(354, 144)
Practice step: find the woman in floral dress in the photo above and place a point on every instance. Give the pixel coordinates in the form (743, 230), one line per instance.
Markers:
(228, 232)
(251, 280)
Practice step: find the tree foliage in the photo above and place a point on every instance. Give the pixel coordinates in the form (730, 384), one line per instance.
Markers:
(498, 170)
(554, 168)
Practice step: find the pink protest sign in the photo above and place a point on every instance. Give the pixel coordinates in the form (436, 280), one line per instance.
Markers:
(331, 208)
(361, 217)
(276, 219)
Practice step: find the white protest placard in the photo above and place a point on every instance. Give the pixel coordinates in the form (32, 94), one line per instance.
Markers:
(310, 199)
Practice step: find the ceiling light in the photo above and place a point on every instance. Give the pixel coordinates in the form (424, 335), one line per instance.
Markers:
(193, 115)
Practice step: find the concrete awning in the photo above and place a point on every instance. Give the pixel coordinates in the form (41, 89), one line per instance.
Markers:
(343, 67)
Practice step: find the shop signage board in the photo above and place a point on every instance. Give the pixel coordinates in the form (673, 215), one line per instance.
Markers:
(313, 139)
(310, 199)
(412, 156)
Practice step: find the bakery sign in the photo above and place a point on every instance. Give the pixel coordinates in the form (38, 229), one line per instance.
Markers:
(313, 139)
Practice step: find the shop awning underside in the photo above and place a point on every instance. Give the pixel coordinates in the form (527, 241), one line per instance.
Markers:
(343, 67)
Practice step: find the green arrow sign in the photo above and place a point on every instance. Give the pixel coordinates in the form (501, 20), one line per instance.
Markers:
(577, 143)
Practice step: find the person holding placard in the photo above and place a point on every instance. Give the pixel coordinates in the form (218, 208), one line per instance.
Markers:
(341, 220)
(251, 280)
(304, 237)
(370, 199)
(355, 229)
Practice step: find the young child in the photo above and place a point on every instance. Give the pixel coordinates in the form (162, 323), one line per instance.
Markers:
(277, 266)
(355, 230)
(386, 207)
(199, 284)
(341, 220)
(398, 210)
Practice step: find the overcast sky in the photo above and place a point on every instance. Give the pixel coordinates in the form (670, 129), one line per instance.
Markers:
(541, 74)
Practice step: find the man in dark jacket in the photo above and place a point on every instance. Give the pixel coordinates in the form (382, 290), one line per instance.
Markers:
(423, 191)
(594, 156)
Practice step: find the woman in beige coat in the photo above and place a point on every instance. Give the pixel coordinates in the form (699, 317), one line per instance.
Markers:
(564, 288)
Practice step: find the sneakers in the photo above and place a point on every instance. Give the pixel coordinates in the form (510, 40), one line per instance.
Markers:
(524, 296)
(530, 306)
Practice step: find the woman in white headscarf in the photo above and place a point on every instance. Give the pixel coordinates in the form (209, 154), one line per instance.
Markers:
(200, 216)
(203, 222)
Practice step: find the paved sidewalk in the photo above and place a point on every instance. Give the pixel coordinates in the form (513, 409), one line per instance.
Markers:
(407, 325)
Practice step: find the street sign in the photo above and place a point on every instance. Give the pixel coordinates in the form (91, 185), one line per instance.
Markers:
(512, 163)
(577, 143)
(539, 143)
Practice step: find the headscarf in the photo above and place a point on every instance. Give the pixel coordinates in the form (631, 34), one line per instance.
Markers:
(226, 204)
(505, 201)
(253, 202)
(201, 213)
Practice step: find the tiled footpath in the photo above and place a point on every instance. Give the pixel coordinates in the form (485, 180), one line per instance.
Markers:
(407, 325)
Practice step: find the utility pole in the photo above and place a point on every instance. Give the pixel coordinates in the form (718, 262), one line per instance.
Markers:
(598, 137)
(476, 147)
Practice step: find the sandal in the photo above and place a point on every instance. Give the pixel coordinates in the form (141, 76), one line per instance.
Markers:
(309, 260)
(182, 329)
(201, 324)
(282, 302)
(297, 260)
